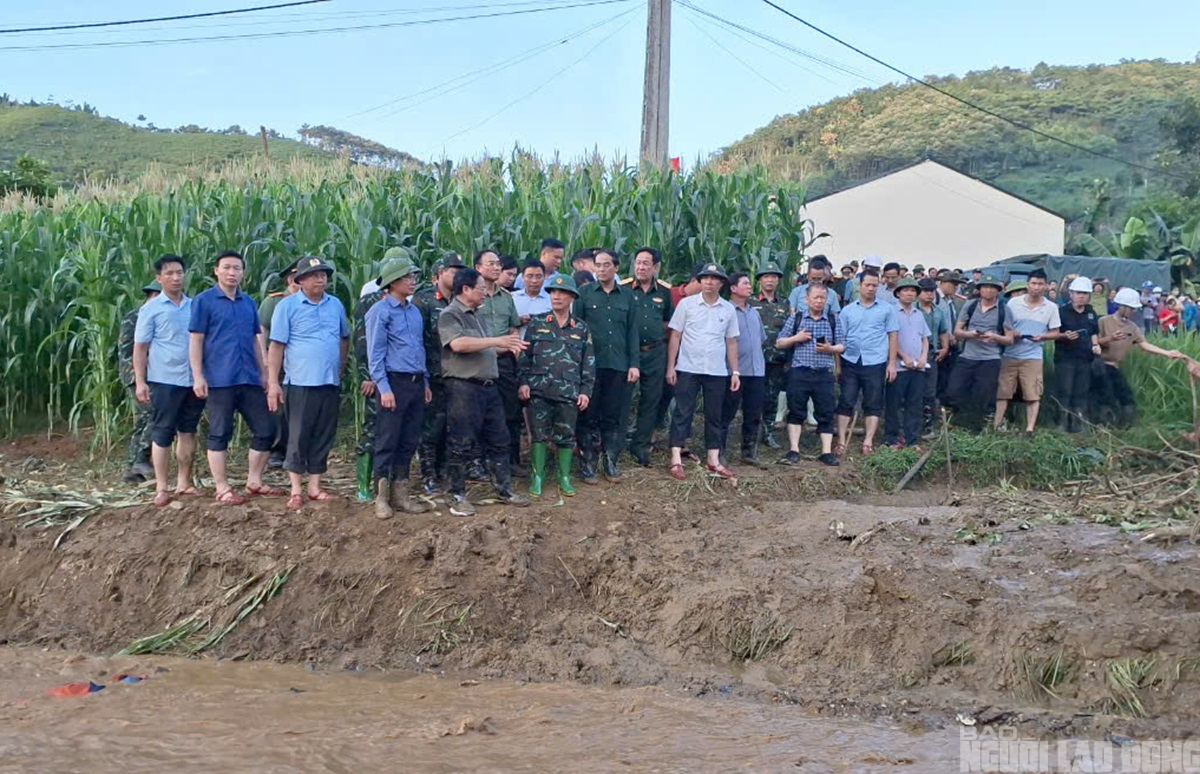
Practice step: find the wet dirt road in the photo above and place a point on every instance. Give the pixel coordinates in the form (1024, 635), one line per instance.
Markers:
(228, 716)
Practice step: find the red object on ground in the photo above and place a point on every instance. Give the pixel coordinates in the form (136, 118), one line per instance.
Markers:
(75, 689)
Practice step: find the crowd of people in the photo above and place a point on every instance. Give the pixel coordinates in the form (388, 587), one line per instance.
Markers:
(481, 369)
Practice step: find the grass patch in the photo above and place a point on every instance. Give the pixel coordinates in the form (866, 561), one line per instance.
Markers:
(438, 626)
(958, 654)
(750, 640)
(1126, 679)
(1043, 674)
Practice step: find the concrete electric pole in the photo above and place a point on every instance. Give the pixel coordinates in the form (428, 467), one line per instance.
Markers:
(656, 98)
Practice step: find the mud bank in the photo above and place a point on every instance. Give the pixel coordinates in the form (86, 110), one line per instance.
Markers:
(914, 611)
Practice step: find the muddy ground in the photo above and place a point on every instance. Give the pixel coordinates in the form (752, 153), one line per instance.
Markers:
(943, 606)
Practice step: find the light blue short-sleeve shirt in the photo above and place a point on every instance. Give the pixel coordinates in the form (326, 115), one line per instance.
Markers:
(312, 333)
(865, 331)
(1029, 320)
(163, 325)
(798, 300)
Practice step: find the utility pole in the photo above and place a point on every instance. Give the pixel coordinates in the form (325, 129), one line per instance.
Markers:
(262, 132)
(656, 98)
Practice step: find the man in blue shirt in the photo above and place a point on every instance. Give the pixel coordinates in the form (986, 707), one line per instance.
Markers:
(310, 339)
(818, 274)
(226, 354)
(163, 378)
(752, 366)
(869, 334)
(531, 300)
(396, 359)
(905, 395)
(550, 256)
(815, 340)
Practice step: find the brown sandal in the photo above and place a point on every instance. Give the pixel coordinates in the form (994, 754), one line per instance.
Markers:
(677, 473)
(161, 499)
(720, 470)
(264, 490)
(295, 502)
(229, 497)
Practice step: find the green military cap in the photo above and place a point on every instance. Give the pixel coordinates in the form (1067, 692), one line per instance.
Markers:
(152, 287)
(919, 267)
(311, 264)
(395, 269)
(1013, 287)
(712, 270)
(769, 268)
(946, 275)
(448, 261)
(990, 279)
(399, 252)
(908, 282)
(563, 282)
(290, 269)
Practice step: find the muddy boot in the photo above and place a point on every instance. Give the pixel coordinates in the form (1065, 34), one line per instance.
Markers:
(363, 471)
(587, 465)
(564, 472)
(503, 478)
(383, 508)
(768, 437)
(750, 453)
(402, 501)
(537, 468)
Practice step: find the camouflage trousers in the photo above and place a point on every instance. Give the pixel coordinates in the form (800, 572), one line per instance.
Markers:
(366, 433)
(139, 440)
(553, 421)
(776, 383)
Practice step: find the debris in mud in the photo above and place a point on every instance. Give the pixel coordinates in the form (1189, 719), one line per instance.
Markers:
(468, 725)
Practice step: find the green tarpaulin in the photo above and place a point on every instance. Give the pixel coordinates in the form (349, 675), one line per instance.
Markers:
(1120, 272)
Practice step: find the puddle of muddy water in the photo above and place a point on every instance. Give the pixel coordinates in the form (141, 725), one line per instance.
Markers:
(226, 716)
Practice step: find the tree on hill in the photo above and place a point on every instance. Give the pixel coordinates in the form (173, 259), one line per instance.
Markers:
(358, 149)
(28, 175)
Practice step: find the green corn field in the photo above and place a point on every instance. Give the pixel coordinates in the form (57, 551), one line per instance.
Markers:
(74, 265)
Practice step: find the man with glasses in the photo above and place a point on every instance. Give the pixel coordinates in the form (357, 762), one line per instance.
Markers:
(500, 318)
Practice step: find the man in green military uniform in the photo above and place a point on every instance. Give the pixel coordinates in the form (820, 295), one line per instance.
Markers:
(653, 299)
(774, 310)
(557, 374)
(500, 318)
(367, 298)
(431, 301)
(265, 311)
(610, 312)
(139, 466)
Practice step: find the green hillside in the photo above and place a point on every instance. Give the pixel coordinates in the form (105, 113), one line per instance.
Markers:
(76, 144)
(1115, 109)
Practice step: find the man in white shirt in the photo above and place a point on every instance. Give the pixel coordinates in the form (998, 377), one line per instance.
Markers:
(702, 356)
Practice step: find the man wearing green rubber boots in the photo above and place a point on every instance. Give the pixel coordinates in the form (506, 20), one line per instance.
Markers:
(556, 375)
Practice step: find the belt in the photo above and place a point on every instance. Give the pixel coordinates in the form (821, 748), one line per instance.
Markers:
(405, 377)
(650, 346)
(814, 370)
(476, 382)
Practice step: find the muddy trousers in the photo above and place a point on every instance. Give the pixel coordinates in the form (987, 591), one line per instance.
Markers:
(749, 398)
(514, 418)
(313, 414)
(432, 446)
(972, 390)
(1072, 383)
(475, 418)
(689, 387)
(929, 400)
(552, 421)
(904, 400)
(398, 430)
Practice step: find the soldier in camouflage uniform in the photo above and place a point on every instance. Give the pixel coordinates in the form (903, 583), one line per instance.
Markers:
(367, 298)
(431, 301)
(556, 375)
(139, 467)
(774, 310)
(266, 310)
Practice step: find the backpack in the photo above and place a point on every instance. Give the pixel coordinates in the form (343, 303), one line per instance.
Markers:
(832, 318)
(974, 304)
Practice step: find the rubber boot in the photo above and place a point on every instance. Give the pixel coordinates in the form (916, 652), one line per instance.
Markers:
(768, 436)
(608, 458)
(537, 468)
(366, 462)
(401, 500)
(564, 472)
(587, 463)
(502, 475)
(383, 508)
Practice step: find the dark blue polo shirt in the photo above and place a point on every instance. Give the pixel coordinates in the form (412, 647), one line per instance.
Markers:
(230, 327)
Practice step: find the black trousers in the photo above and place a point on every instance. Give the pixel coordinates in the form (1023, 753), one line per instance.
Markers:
(312, 417)
(972, 390)
(869, 380)
(945, 368)
(250, 401)
(905, 407)
(475, 418)
(688, 387)
(514, 418)
(804, 384)
(432, 446)
(398, 431)
(1073, 383)
(749, 398)
(652, 363)
(605, 420)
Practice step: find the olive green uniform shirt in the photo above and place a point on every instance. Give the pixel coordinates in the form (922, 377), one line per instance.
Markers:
(612, 319)
(456, 321)
(499, 313)
(653, 310)
(432, 303)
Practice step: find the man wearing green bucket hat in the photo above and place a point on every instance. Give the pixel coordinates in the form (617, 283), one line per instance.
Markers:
(396, 361)
(140, 467)
(971, 390)
(432, 301)
(556, 374)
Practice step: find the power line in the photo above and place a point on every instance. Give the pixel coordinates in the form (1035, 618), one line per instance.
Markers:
(541, 85)
(741, 61)
(126, 22)
(437, 91)
(316, 31)
(969, 103)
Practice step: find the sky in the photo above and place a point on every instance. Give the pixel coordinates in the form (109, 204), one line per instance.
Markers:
(565, 81)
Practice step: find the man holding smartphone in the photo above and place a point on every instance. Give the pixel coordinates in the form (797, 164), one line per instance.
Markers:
(980, 326)
(1073, 357)
(1029, 321)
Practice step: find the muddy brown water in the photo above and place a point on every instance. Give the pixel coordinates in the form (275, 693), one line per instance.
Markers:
(230, 716)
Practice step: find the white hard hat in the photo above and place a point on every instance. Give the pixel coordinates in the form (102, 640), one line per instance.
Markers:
(1128, 297)
(873, 261)
(1081, 285)
(1157, 289)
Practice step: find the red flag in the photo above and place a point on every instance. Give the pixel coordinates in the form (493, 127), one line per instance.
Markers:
(674, 163)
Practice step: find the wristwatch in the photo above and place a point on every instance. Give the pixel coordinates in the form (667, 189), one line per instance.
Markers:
(737, 373)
